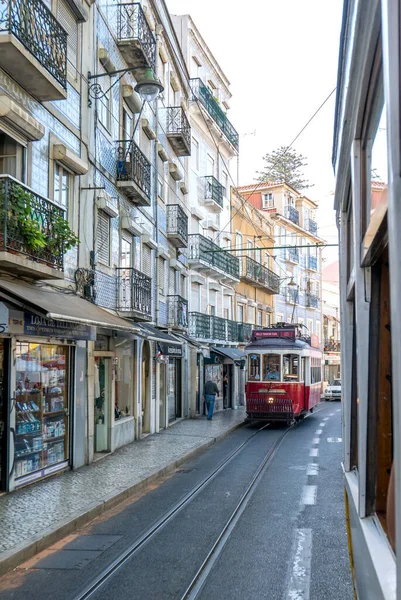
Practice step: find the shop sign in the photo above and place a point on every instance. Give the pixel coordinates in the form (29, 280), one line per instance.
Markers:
(264, 334)
(36, 325)
(168, 349)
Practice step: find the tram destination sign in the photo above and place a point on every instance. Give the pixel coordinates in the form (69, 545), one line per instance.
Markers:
(266, 334)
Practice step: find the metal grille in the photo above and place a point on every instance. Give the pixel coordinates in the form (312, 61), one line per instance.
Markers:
(311, 226)
(34, 25)
(132, 165)
(201, 248)
(13, 234)
(244, 332)
(293, 254)
(132, 25)
(292, 295)
(134, 291)
(257, 273)
(293, 214)
(312, 301)
(202, 93)
(312, 263)
(103, 237)
(177, 126)
(68, 21)
(177, 222)
(214, 190)
(177, 308)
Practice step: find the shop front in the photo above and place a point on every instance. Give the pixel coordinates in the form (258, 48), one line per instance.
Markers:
(226, 368)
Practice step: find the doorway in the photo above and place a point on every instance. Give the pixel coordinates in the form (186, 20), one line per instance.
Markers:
(102, 408)
(146, 389)
(162, 397)
(174, 389)
(3, 418)
(228, 383)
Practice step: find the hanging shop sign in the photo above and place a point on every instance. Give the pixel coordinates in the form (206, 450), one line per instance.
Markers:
(168, 349)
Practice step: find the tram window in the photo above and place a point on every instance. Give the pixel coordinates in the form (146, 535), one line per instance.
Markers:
(271, 367)
(316, 370)
(291, 367)
(254, 367)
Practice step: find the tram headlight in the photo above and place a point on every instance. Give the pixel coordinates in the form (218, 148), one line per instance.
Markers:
(270, 400)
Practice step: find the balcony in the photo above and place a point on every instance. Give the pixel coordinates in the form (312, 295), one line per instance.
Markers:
(292, 214)
(262, 277)
(244, 332)
(177, 312)
(134, 36)
(178, 130)
(312, 301)
(202, 93)
(292, 255)
(33, 48)
(311, 263)
(134, 173)
(331, 346)
(311, 226)
(134, 294)
(213, 194)
(292, 295)
(203, 256)
(177, 226)
(30, 240)
(211, 328)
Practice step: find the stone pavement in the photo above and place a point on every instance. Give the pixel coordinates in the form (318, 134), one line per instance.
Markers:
(37, 516)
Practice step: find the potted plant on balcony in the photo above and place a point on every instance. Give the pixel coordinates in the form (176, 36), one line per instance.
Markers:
(62, 237)
(25, 232)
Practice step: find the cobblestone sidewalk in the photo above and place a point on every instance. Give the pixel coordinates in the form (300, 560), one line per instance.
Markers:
(35, 516)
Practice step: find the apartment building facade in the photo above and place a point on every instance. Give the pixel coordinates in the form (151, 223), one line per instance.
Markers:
(331, 322)
(298, 261)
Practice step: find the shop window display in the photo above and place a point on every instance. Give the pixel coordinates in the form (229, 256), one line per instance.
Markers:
(41, 403)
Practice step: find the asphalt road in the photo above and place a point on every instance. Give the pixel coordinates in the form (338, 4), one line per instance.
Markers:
(289, 544)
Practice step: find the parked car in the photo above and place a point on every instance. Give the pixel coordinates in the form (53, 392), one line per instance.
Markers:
(333, 391)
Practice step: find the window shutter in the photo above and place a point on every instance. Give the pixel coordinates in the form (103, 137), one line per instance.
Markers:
(147, 260)
(195, 297)
(162, 276)
(67, 20)
(171, 282)
(103, 237)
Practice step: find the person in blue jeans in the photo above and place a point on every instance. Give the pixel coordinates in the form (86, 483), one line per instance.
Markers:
(210, 391)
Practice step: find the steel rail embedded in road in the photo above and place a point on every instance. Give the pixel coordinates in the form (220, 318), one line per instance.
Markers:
(101, 579)
(199, 580)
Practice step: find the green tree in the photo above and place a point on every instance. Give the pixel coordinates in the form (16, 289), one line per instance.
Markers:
(285, 166)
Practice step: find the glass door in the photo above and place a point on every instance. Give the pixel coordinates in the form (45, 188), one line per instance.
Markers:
(3, 421)
(102, 403)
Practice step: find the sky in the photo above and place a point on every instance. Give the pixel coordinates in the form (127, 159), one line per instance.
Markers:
(281, 60)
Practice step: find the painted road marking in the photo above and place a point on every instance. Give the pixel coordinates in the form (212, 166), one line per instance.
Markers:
(300, 570)
(309, 494)
(338, 410)
(314, 452)
(326, 419)
(334, 439)
(318, 431)
(316, 441)
(331, 414)
(313, 469)
(322, 424)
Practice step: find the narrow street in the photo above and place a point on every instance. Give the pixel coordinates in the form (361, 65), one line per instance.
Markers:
(286, 542)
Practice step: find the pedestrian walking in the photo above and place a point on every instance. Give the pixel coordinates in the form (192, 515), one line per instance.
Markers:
(225, 391)
(210, 391)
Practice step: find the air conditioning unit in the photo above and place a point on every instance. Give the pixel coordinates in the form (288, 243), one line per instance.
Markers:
(108, 204)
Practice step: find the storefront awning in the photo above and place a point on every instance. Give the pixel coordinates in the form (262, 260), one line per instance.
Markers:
(62, 306)
(188, 339)
(154, 334)
(232, 353)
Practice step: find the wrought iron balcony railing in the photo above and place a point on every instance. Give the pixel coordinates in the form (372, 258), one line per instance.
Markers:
(177, 226)
(210, 327)
(311, 263)
(133, 29)
(134, 291)
(29, 223)
(332, 346)
(178, 130)
(312, 301)
(311, 226)
(292, 214)
(177, 311)
(293, 255)
(134, 168)
(214, 190)
(262, 276)
(292, 295)
(204, 250)
(35, 26)
(244, 332)
(202, 93)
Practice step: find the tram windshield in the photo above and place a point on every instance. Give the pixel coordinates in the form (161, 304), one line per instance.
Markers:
(254, 367)
(290, 367)
(271, 367)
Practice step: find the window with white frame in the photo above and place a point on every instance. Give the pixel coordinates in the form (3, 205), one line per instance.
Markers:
(63, 188)
(224, 178)
(268, 320)
(260, 318)
(317, 330)
(210, 165)
(251, 314)
(195, 153)
(240, 313)
(309, 324)
(103, 237)
(162, 275)
(12, 157)
(268, 200)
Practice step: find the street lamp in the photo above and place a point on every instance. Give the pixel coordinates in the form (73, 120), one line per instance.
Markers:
(148, 86)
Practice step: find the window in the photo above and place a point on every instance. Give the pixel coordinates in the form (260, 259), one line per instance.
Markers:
(210, 165)
(260, 318)
(240, 313)
(268, 320)
(225, 184)
(172, 281)
(238, 241)
(279, 318)
(147, 260)
(127, 125)
(291, 367)
(183, 286)
(162, 276)
(254, 367)
(162, 71)
(318, 332)
(160, 187)
(63, 186)
(271, 367)
(251, 314)
(103, 237)
(12, 157)
(195, 297)
(268, 200)
(309, 324)
(316, 370)
(126, 253)
(249, 246)
(104, 106)
(195, 66)
(195, 153)
(67, 20)
(258, 255)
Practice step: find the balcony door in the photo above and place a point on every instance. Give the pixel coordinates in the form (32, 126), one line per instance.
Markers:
(12, 157)
(125, 272)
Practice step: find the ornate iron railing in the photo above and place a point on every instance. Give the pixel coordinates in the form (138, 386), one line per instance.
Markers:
(177, 222)
(24, 218)
(133, 26)
(312, 301)
(332, 346)
(177, 311)
(201, 248)
(177, 124)
(199, 325)
(293, 254)
(232, 330)
(202, 93)
(210, 327)
(292, 295)
(312, 263)
(132, 165)
(244, 332)
(35, 26)
(311, 226)
(292, 214)
(262, 275)
(214, 190)
(134, 291)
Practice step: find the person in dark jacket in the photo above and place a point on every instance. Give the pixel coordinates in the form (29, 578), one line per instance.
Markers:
(210, 391)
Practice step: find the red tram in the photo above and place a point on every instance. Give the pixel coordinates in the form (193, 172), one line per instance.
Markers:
(284, 374)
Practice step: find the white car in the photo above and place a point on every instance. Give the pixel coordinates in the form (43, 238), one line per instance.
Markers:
(333, 391)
